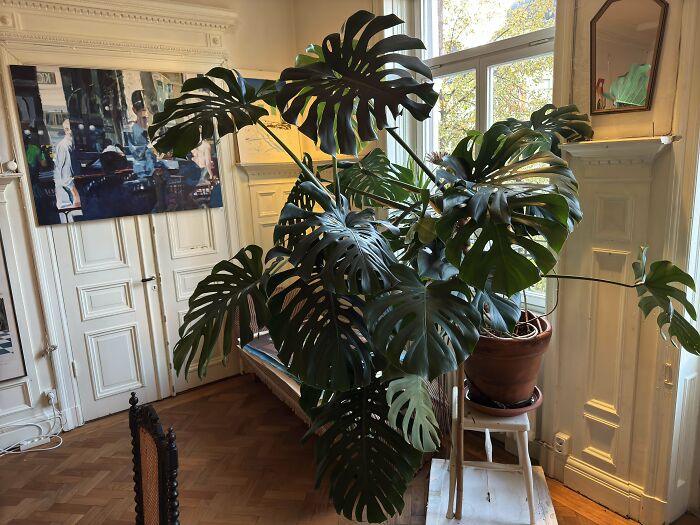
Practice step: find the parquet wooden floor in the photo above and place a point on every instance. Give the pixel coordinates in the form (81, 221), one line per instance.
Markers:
(241, 463)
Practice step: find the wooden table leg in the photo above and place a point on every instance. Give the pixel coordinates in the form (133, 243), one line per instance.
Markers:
(453, 476)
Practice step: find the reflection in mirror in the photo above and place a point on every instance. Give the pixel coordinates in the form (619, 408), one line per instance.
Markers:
(625, 46)
(11, 362)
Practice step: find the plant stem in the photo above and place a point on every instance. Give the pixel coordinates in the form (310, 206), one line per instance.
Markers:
(336, 180)
(413, 154)
(592, 279)
(382, 200)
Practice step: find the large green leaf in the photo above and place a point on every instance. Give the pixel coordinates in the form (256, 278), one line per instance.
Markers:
(505, 193)
(368, 462)
(356, 257)
(630, 89)
(349, 78)
(564, 124)
(425, 329)
(303, 200)
(411, 410)
(499, 313)
(204, 109)
(432, 263)
(375, 175)
(657, 287)
(321, 336)
(218, 301)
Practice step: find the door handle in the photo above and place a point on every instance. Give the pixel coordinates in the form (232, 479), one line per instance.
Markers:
(147, 279)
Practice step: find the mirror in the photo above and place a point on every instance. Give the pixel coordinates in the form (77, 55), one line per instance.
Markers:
(11, 360)
(626, 40)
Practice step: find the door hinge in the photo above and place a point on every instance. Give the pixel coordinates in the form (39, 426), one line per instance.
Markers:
(74, 368)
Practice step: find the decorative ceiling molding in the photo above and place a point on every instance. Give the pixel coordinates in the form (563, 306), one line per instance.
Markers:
(132, 12)
(26, 37)
(282, 170)
(5, 180)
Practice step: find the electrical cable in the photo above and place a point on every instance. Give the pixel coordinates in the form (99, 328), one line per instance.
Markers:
(51, 434)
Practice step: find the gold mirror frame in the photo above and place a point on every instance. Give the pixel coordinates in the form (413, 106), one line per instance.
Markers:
(654, 66)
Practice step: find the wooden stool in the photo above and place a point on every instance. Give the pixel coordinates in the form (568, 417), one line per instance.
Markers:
(472, 420)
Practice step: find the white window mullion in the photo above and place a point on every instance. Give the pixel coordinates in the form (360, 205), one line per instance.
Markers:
(483, 96)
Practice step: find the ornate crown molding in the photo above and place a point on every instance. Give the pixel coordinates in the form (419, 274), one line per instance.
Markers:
(26, 37)
(131, 11)
(282, 170)
(5, 180)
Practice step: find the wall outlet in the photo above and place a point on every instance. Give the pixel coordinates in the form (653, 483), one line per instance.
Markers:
(51, 396)
(562, 443)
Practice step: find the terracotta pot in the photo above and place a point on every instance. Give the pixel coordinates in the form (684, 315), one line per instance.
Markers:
(506, 369)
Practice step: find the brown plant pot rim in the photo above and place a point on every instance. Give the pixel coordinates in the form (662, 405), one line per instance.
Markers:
(504, 412)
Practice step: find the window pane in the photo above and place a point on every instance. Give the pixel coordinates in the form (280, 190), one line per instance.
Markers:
(456, 108)
(461, 24)
(519, 88)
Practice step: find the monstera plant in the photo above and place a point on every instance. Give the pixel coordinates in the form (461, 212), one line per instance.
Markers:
(364, 311)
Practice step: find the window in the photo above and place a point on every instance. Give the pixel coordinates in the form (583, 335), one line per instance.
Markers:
(491, 60)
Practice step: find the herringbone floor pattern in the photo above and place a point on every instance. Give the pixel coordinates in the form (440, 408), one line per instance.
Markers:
(241, 463)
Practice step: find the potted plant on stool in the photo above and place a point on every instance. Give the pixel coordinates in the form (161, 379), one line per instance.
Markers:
(366, 312)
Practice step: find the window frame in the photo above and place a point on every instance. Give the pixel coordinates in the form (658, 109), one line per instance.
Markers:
(479, 59)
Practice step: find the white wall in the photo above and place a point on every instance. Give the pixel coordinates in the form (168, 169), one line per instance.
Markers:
(314, 19)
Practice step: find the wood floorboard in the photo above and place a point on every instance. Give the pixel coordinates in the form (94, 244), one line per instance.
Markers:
(241, 463)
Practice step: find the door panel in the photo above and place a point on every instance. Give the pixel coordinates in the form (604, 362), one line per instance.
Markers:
(106, 312)
(188, 245)
(266, 201)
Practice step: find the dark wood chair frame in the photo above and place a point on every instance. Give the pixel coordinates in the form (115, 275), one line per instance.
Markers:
(145, 417)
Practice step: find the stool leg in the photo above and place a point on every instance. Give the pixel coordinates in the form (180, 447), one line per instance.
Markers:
(460, 442)
(524, 456)
(488, 446)
(453, 479)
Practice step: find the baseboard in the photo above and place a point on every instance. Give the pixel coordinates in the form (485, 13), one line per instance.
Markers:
(12, 433)
(621, 496)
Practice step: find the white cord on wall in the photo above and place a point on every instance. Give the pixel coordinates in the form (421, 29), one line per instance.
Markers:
(35, 443)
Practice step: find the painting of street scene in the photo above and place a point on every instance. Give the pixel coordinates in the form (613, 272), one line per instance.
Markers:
(87, 149)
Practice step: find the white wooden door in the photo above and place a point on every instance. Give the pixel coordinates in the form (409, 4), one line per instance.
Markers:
(109, 311)
(188, 245)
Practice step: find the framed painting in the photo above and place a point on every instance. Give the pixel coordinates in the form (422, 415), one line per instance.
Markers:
(87, 149)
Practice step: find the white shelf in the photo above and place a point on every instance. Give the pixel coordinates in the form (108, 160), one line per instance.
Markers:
(638, 148)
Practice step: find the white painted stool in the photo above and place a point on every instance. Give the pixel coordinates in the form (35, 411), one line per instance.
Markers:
(472, 420)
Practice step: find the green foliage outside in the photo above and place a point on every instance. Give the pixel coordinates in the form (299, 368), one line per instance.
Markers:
(519, 87)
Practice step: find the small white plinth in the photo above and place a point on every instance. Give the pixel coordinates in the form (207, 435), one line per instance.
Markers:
(491, 497)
